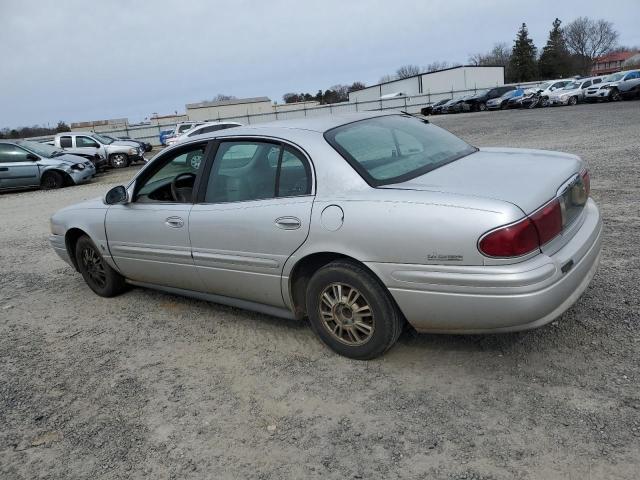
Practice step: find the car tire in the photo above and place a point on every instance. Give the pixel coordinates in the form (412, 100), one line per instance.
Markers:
(338, 291)
(482, 107)
(97, 273)
(52, 180)
(119, 160)
(614, 96)
(573, 101)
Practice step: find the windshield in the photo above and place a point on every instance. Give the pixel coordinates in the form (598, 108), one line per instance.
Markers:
(615, 77)
(41, 149)
(395, 148)
(572, 86)
(544, 86)
(102, 139)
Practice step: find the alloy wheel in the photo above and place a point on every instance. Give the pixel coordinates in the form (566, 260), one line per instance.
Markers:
(195, 160)
(118, 160)
(346, 314)
(94, 266)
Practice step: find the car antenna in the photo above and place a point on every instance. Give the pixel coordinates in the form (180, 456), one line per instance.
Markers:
(415, 115)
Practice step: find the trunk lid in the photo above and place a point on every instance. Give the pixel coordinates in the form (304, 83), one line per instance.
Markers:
(525, 178)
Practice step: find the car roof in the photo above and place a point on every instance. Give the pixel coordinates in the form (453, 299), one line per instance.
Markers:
(280, 128)
(319, 124)
(76, 133)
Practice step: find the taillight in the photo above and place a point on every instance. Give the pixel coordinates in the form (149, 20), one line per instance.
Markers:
(548, 221)
(511, 241)
(586, 181)
(526, 235)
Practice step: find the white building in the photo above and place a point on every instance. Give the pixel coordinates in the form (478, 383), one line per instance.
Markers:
(442, 82)
(238, 107)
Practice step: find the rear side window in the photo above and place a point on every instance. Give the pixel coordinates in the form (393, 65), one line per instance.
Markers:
(395, 148)
(86, 142)
(256, 170)
(65, 142)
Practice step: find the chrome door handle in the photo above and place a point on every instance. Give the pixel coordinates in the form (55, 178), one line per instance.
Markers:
(288, 223)
(174, 222)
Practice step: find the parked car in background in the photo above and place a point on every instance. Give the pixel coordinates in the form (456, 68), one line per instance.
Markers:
(122, 141)
(206, 127)
(439, 109)
(461, 105)
(25, 164)
(434, 108)
(98, 160)
(146, 145)
(478, 101)
(615, 87)
(179, 129)
(449, 106)
(285, 218)
(547, 88)
(117, 153)
(164, 134)
(573, 92)
(502, 101)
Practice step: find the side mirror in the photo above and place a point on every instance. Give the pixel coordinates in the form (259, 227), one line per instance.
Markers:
(32, 157)
(116, 195)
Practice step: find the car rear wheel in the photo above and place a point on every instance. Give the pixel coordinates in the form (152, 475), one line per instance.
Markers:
(100, 277)
(52, 180)
(351, 311)
(119, 160)
(482, 107)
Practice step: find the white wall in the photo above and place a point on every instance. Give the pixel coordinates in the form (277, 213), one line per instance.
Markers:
(462, 78)
(223, 111)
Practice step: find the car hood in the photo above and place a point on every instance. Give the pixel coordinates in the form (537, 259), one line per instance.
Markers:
(66, 159)
(125, 143)
(523, 177)
(560, 93)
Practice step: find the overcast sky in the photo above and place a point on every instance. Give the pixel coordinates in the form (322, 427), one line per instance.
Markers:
(91, 60)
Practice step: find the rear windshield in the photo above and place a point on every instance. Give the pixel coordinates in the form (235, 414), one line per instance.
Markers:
(395, 148)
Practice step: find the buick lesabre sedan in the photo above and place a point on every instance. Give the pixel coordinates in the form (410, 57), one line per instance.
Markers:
(359, 223)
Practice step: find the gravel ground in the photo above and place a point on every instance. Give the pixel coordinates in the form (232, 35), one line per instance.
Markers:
(149, 385)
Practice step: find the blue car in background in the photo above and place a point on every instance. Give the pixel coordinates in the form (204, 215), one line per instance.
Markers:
(164, 135)
(503, 101)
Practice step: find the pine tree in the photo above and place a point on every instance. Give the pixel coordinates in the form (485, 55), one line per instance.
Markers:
(555, 60)
(523, 57)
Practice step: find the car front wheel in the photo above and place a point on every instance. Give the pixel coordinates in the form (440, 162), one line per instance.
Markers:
(573, 101)
(52, 180)
(614, 96)
(351, 311)
(119, 160)
(100, 277)
(482, 107)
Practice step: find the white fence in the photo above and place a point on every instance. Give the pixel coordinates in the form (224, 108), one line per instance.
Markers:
(412, 104)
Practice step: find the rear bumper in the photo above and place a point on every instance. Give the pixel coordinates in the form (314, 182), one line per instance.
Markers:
(492, 299)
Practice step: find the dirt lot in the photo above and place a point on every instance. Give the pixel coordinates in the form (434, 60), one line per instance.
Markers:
(149, 385)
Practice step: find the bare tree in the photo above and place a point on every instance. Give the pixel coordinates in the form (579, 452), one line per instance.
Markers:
(341, 92)
(590, 39)
(221, 97)
(500, 54)
(408, 71)
(387, 78)
(435, 66)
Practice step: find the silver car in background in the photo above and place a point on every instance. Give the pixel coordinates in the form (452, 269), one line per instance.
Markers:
(359, 223)
(25, 164)
(573, 92)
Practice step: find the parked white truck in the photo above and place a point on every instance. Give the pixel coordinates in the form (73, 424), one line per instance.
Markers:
(118, 154)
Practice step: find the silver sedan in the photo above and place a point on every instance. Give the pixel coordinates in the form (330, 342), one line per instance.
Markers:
(359, 223)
